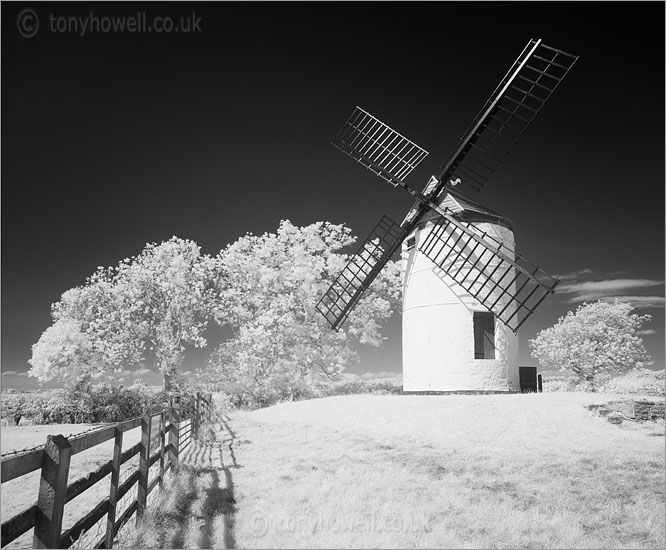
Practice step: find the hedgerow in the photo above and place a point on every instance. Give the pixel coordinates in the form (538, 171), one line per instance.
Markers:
(99, 405)
(236, 396)
(362, 386)
(639, 381)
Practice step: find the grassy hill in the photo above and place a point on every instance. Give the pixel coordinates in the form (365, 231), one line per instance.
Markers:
(530, 470)
(395, 471)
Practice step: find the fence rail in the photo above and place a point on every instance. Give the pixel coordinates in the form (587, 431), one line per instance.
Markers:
(46, 515)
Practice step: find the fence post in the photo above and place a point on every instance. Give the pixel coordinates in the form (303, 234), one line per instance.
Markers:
(52, 488)
(197, 416)
(144, 464)
(174, 429)
(162, 426)
(113, 491)
(540, 383)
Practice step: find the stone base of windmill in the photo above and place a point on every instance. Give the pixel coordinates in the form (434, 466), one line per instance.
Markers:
(634, 410)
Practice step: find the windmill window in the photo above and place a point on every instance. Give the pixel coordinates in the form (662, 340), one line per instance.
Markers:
(411, 243)
(484, 335)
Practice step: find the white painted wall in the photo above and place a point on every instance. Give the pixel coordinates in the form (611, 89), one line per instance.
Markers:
(438, 331)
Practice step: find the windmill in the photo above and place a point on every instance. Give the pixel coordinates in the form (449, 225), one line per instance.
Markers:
(461, 274)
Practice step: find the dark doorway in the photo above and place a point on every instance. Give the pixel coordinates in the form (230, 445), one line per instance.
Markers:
(528, 379)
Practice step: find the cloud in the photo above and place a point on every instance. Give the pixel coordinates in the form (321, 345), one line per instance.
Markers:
(609, 286)
(635, 301)
(638, 301)
(141, 372)
(573, 275)
(14, 373)
(624, 290)
(645, 332)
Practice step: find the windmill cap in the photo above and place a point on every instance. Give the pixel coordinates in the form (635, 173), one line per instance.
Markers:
(469, 210)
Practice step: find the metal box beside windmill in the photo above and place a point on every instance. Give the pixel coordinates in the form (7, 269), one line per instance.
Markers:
(461, 273)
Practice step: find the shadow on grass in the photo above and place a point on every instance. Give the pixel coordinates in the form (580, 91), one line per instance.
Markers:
(230, 446)
(172, 523)
(219, 500)
(181, 517)
(208, 503)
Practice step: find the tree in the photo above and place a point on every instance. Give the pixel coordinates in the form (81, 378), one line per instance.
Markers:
(63, 352)
(270, 287)
(596, 342)
(160, 300)
(168, 294)
(91, 337)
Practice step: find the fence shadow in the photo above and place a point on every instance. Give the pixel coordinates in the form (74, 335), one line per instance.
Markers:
(230, 441)
(180, 517)
(219, 501)
(202, 511)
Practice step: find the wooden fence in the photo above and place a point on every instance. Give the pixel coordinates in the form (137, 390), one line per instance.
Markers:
(46, 515)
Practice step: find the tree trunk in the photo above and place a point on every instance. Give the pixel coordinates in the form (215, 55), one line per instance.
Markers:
(167, 382)
(169, 366)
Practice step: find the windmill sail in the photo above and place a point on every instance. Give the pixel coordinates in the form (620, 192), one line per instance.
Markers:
(504, 282)
(360, 271)
(506, 115)
(379, 148)
(501, 280)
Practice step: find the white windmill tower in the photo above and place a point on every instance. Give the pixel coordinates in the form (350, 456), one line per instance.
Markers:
(450, 340)
(461, 273)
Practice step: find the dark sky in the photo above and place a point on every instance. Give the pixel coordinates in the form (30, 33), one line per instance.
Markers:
(112, 140)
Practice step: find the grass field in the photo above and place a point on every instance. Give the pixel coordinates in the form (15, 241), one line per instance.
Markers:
(498, 471)
(21, 493)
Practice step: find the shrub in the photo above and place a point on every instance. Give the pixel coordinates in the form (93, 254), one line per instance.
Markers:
(382, 388)
(102, 404)
(280, 389)
(111, 404)
(222, 403)
(349, 387)
(562, 383)
(638, 381)
(59, 409)
(13, 407)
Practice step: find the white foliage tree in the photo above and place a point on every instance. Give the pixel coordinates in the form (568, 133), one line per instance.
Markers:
(271, 284)
(91, 337)
(64, 352)
(168, 297)
(160, 300)
(596, 342)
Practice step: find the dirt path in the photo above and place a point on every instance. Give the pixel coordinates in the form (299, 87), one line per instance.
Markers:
(197, 511)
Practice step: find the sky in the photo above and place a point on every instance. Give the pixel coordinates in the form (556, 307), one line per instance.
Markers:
(111, 140)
